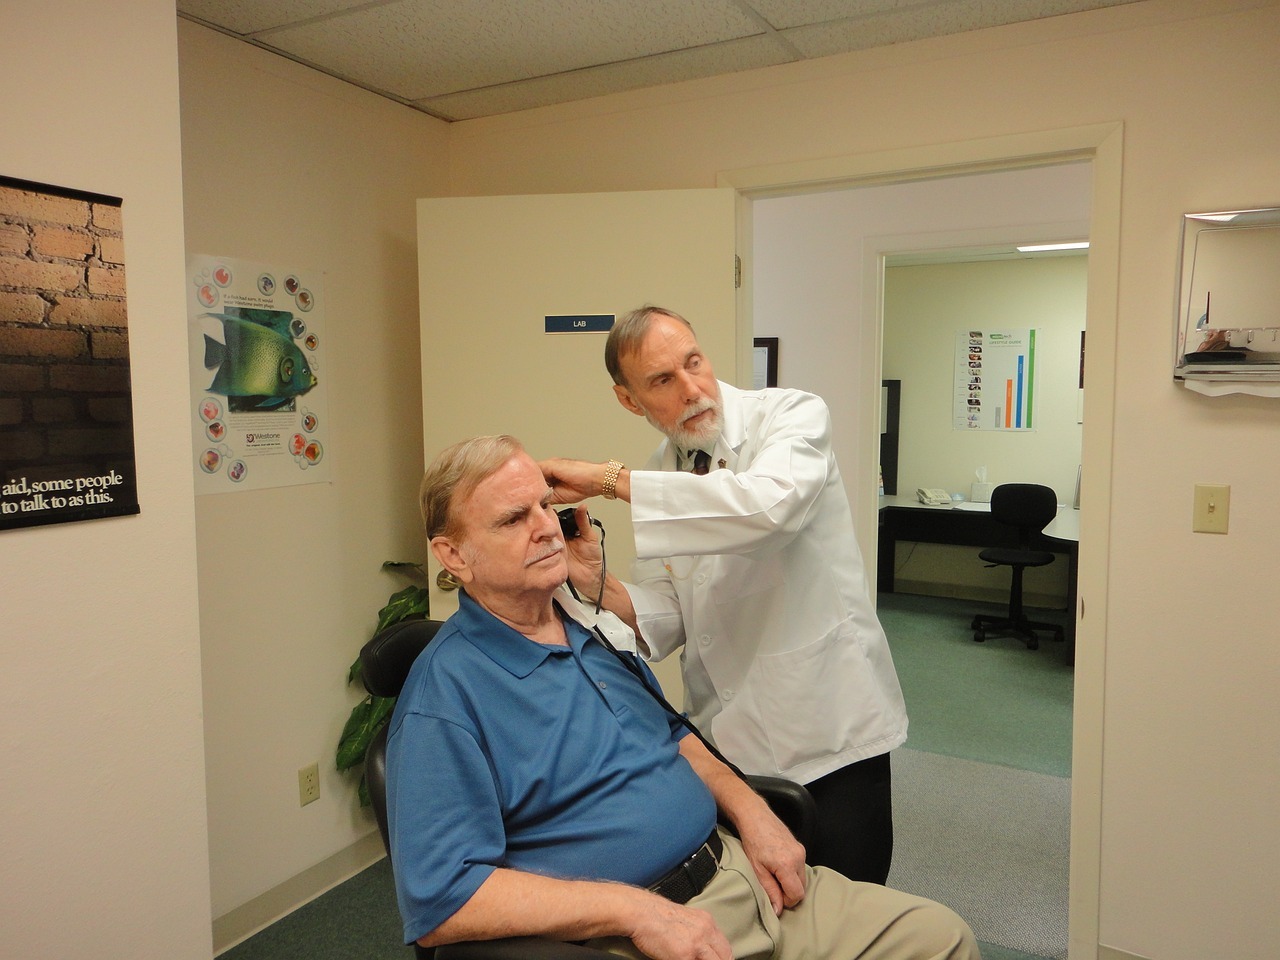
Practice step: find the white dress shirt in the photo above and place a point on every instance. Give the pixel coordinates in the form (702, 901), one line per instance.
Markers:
(754, 570)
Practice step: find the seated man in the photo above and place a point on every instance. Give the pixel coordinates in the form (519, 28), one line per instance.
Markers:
(535, 787)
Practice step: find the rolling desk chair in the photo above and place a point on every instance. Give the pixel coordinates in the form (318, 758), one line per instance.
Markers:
(385, 662)
(1028, 507)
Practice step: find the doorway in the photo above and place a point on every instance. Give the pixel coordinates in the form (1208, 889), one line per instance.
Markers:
(1100, 145)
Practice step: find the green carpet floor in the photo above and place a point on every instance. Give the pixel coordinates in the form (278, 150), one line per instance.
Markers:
(994, 702)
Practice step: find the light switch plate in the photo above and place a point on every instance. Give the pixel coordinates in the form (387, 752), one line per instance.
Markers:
(1212, 508)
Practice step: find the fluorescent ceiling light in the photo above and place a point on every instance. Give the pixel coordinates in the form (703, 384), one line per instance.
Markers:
(1045, 247)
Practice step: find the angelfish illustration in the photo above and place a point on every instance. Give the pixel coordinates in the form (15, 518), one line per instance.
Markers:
(256, 361)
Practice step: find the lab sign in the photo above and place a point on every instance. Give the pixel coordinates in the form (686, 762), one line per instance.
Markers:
(578, 323)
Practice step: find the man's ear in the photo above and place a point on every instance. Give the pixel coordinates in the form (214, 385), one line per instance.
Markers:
(625, 398)
(450, 557)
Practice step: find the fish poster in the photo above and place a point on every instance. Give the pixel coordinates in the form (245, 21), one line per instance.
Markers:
(66, 394)
(259, 415)
(995, 380)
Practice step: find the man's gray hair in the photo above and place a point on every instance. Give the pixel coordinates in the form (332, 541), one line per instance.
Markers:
(627, 333)
(454, 475)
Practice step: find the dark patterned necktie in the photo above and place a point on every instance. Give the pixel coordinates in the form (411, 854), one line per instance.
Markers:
(701, 462)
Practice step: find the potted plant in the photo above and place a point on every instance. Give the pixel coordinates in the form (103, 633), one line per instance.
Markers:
(371, 714)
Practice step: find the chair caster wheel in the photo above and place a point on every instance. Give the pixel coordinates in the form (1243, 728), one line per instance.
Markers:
(979, 637)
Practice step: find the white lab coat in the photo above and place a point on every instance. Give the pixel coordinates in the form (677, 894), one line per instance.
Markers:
(755, 571)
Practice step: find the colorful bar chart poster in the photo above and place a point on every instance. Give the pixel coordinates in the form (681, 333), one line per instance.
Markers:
(995, 380)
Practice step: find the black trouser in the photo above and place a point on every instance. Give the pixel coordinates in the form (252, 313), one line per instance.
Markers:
(854, 832)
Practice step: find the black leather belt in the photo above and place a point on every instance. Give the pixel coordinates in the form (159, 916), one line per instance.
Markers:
(690, 878)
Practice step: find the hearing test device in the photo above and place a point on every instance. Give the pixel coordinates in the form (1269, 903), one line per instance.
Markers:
(568, 523)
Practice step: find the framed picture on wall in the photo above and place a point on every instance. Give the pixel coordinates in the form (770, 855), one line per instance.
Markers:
(764, 368)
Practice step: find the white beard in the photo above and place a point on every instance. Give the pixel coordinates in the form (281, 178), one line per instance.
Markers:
(703, 436)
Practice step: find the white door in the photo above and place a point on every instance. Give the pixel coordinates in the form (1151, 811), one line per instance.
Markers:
(492, 268)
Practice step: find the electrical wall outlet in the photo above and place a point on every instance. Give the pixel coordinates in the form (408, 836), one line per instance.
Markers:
(308, 784)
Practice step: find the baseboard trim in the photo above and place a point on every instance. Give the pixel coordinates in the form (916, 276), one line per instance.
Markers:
(236, 926)
(1111, 953)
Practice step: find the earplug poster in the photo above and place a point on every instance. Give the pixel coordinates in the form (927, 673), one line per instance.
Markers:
(259, 415)
(995, 380)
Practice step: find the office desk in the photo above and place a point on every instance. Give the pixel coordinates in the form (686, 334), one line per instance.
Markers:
(970, 524)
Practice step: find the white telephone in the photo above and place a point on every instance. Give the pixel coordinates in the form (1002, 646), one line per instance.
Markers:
(932, 496)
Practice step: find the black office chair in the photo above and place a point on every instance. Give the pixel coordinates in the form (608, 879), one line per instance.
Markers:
(1028, 507)
(385, 662)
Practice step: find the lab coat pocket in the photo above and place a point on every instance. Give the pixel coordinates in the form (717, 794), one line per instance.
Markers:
(818, 700)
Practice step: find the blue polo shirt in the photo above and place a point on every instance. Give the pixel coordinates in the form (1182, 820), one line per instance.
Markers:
(552, 760)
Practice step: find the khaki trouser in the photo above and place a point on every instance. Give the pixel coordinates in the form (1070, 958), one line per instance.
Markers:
(839, 919)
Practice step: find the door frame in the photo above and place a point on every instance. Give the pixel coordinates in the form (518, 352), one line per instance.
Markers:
(1102, 145)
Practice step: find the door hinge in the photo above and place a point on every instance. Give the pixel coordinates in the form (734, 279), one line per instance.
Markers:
(737, 272)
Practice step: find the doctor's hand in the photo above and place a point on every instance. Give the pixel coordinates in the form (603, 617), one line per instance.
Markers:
(574, 480)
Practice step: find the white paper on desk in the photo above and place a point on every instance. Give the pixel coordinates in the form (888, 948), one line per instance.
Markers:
(970, 505)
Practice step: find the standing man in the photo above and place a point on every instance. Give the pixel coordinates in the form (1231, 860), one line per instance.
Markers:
(746, 558)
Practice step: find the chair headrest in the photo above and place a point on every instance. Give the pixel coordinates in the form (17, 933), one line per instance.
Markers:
(385, 660)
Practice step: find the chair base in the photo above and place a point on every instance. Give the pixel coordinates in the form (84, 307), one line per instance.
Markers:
(985, 626)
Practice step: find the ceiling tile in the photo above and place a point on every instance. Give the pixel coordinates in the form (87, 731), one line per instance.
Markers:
(251, 16)
(652, 71)
(940, 18)
(794, 13)
(409, 50)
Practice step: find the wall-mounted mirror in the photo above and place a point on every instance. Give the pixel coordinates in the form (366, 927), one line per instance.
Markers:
(1228, 323)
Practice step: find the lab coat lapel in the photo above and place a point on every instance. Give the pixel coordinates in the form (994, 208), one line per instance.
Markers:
(733, 434)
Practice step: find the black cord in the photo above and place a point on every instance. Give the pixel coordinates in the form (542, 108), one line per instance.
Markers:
(628, 661)
(603, 567)
(633, 667)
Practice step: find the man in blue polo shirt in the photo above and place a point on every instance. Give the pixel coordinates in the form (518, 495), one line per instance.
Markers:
(535, 787)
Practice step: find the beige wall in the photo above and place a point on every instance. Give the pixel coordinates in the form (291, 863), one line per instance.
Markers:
(1189, 742)
(105, 848)
(281, 164)
(105, 689)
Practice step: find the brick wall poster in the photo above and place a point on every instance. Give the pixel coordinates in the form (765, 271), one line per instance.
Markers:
(66, 409)
(259, 414)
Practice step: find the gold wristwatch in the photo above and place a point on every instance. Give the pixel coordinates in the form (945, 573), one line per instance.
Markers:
(609, 489)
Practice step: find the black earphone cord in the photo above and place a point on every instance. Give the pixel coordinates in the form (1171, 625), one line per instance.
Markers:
(634, 668)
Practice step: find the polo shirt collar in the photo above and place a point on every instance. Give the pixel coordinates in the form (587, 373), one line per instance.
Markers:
(506, 646)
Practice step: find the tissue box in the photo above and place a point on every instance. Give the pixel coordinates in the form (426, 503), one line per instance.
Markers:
(981, 492)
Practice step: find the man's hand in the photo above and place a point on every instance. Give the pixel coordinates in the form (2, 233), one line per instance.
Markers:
(572, 481)
(669, 931)
(585, 556)
(777, 858)
(775, 855)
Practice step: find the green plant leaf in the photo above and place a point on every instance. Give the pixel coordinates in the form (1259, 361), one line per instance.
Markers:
(403, 566)
(367, 718)
(371, 714)
(403, 604)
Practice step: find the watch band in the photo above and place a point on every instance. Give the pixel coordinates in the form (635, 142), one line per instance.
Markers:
(609, 489)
